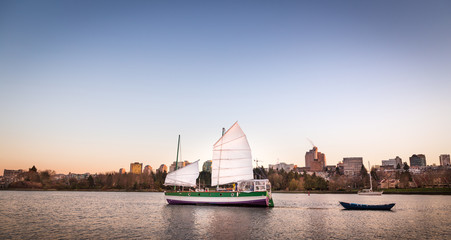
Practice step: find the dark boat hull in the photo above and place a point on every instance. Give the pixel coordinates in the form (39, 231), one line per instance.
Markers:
(356, 206)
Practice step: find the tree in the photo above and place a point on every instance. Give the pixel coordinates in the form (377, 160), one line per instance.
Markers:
(33, 169)
(91, 181)
(406, 167)
(363, 171)
(309, 183)
(204, 178)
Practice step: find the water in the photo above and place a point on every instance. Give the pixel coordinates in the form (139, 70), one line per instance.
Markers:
(107, 215)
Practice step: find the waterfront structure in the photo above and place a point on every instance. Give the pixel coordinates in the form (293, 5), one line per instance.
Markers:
(444, 160)
(162, 168)
(417, 160)
(393, 162)
(147, 169)
(352, 165)
(136, 168)
(314, 160)
(279, 166)
(206, 167)
(179, 165)
(121, 171)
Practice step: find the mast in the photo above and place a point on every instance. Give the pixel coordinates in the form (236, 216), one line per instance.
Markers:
(177, 158)
(371, 182)
(220, 155)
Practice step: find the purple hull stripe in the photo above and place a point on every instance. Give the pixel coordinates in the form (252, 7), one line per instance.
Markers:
(260, 202)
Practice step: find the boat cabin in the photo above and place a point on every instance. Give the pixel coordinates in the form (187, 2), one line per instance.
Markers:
(254, 185)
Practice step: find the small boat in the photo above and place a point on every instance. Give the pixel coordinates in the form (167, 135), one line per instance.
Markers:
(356, 206)
(369, 192)
(231, 164)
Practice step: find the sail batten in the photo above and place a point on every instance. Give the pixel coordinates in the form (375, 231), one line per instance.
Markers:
(232, 159)
(185, 177)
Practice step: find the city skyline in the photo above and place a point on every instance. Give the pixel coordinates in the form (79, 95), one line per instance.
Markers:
(93, 87)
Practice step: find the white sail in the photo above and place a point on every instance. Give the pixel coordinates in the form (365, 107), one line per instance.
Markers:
(185, 176)
(232, 160)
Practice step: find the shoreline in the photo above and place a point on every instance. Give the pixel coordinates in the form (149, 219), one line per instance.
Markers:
(422, 191)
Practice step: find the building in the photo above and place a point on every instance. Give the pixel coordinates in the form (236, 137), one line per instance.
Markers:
(121, 171)
(10, 176)
(331, 168)
(393, 162)
(78, 176)
(147, 169)
(162, 168)
(417, 160)
(444, 160)
(340, 167)
(352, 165)
(12, 173)
(179, 165)
(206, 167)
(280, 166)
(314, 160)
(136, 168)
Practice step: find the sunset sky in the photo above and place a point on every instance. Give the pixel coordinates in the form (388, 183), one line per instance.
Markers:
(91, 86)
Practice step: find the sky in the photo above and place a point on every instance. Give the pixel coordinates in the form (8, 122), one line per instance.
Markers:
(91, 86)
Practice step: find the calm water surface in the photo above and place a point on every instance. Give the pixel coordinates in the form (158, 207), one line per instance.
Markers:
(107, 215)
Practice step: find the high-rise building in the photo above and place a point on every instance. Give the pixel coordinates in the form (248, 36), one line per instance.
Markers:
(393, 162)
(206, 167)
(444, 160)
(179, 165)
(417, 160)
(352, 165)
(121, 171)
(147, 169)
(136, 168)
(315, 161)
(162, 168)
(282, 165)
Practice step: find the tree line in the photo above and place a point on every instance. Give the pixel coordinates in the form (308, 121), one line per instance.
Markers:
(280, 179)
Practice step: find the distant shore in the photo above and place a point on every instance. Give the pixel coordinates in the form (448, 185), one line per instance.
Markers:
(418, 191)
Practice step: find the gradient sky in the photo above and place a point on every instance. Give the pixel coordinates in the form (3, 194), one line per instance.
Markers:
(90, 86)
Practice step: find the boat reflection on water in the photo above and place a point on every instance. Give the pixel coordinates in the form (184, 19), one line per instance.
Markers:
(213, 222)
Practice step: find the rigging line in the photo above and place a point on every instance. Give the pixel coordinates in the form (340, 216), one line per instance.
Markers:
(224, 133)
(222, 143)
(230, 159)
(242, 150)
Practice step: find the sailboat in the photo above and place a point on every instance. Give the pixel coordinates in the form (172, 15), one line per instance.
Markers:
(231, 164)
(370, 191)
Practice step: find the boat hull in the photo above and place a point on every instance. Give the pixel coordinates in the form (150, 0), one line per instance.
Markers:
(260, 199)
(356, 206)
